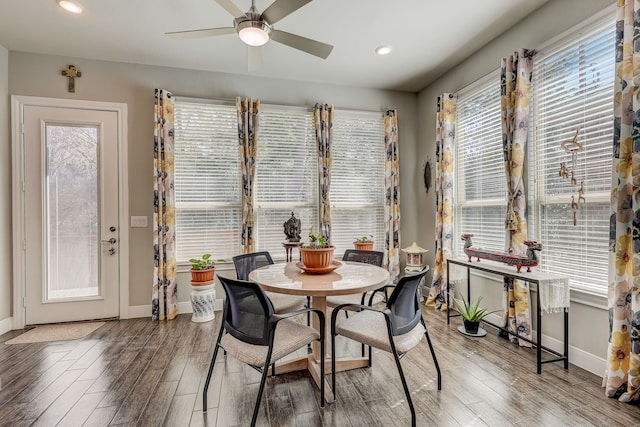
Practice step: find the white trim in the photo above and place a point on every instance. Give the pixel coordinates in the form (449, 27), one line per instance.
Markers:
(6, 325)
(184, 307)
(17, 197)
(578, 357)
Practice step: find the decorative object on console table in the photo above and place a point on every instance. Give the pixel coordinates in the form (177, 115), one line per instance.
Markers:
(472, 315)
(318, 253)
(364, 243)
(531, 260)
(203, 269)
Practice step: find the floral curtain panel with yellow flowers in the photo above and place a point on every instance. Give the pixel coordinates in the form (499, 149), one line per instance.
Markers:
(392, 203)
(164, 299)
(248, 120)
(622, 379)
(323, 121)
(445, 144)
(515, 84)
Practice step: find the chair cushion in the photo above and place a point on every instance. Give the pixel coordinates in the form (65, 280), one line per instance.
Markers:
(283, 303)
(354, 299)
(370, 328)
(290, 336)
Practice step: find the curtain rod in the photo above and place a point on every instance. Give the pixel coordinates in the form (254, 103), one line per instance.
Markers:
(233, 102)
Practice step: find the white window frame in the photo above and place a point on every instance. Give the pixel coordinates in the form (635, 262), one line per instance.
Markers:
(269, 242)
(583, 292)
(587, 276)
(484, 234)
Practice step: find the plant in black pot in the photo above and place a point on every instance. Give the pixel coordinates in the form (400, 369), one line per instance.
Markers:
(471, 314)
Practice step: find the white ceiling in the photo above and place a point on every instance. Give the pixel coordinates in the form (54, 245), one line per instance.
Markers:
(427, 36)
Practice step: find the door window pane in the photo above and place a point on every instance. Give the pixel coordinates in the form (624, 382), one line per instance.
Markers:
(72, 228)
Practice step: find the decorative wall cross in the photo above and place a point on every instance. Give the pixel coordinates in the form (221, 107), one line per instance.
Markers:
(72, 73)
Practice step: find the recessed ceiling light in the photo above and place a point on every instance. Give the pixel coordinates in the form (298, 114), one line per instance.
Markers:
(383, 50)
(70, 6)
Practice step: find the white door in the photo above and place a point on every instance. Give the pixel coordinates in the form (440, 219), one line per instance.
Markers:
(71, 230)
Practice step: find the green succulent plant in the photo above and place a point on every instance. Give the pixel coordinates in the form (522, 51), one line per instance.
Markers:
(471, 311)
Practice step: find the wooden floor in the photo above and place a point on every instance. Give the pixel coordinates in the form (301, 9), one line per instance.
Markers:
(139, 372)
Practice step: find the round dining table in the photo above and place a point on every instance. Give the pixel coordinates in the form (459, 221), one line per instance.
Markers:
(347, 278)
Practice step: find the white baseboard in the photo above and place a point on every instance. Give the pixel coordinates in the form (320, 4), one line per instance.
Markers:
(184, 307)
(6, 325)
(587, 361)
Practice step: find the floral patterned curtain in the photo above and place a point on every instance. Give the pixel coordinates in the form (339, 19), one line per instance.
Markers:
(392, 199)
(445, 144)
(622, 379)
(164, 303)
(323, 120)
(248, 120)
(515, 85)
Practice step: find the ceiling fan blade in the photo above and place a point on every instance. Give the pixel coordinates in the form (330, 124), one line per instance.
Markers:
(207, 32)
(281, 8)
(314, 47)
(230, 7)
(254, 58)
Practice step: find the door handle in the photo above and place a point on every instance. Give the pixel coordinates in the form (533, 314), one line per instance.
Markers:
(110, 241)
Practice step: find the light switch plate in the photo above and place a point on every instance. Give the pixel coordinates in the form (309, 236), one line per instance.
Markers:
(138, 221)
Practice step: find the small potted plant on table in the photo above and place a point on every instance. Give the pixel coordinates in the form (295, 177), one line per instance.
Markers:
(472, 315)
(318, 253)
(203, 269)
(364, 243)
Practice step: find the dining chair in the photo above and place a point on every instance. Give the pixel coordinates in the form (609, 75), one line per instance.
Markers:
(396, 328)
(368, 257)
(254, 334)
(282, 303)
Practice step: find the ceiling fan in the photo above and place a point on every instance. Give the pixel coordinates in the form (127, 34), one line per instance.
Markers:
(255, 29)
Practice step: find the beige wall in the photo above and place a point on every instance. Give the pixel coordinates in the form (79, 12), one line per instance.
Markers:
(39, 75)
(5, 186)
(588, 324)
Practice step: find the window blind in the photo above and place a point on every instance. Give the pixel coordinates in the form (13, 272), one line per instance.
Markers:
(357, 190)
(573, 90)
(480, 184)
(286, 175)
(207, 180)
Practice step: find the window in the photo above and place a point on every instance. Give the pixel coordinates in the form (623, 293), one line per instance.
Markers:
(573, 82)
(480, 182)
(573, 90)
(286, 175)
(207, 180)
(357, 190)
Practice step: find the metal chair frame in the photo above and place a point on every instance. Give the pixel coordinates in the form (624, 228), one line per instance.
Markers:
(271, 321)
(393, 329)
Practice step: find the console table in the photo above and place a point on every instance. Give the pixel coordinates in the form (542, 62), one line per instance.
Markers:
(555, 297)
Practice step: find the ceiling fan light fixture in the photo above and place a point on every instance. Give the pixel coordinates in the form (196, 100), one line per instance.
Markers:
(70, 6)
(253, 33)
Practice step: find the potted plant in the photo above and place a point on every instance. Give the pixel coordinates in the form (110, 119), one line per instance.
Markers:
(364, 243)
(318, 252)
(471, 314)
(203, 268)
